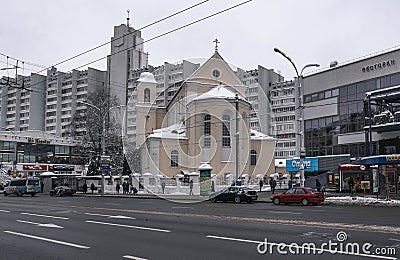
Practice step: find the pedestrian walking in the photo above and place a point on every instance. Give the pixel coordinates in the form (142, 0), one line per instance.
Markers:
(124, 188)
(290, 184)
(118, 187)
(351, 184)
(163, 187)
(261, 183)
(84, 187)
(212, 186)
(134, 191)
(318, 185)
(92, 187)
(191, 187)
(130, 188)
(272, 183)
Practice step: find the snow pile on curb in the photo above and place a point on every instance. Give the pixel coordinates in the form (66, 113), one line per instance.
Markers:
(348, 200)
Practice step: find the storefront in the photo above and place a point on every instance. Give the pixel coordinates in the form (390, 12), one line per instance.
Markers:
(385, 172)
(360, 176)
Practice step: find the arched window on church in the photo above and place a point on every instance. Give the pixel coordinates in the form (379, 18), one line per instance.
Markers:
(146, 95)
(226, 132)
(207, 130)
(253, 157)
(174, 158)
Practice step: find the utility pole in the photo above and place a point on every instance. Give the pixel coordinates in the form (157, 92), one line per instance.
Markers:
(237, 136)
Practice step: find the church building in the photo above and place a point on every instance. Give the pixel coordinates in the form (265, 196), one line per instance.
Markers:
(207, 121)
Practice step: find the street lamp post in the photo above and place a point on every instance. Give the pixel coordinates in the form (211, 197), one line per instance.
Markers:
(301, 150)
(103, 135)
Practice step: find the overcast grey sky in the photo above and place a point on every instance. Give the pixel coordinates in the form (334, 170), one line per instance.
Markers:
(46, 32)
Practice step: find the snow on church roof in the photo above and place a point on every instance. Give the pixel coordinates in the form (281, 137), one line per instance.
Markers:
(219, 92)
(255, 135)
(147, 77)
(176, 131)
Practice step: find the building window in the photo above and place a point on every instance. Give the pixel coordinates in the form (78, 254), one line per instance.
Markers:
(146, 95)
(207, 130)
(253, 157)
(226, 135)
(174, 158)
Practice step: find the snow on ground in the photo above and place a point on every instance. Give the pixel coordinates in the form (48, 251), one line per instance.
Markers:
(357, 200)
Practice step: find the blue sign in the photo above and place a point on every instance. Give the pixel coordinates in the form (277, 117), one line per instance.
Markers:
(381, 159)
(310, 164)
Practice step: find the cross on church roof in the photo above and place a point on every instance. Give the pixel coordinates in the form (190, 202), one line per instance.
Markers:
(216, 44)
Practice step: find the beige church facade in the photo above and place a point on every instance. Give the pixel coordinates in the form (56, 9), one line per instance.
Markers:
(206, 121)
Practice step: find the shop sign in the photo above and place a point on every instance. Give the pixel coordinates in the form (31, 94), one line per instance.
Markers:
(38, 141)
(383, 159)
(310, 164)
(350, 167)
(34, 167)
(61, 168)
(378, 65)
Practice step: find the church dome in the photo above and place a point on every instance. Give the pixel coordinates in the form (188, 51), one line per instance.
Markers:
(147, 77)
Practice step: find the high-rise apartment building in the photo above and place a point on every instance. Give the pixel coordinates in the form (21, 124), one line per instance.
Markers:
(23, 103)
(66, 95)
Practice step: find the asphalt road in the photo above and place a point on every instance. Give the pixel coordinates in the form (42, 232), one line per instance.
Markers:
(78, 227)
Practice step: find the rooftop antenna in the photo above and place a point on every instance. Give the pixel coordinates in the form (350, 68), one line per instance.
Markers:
(127, 19)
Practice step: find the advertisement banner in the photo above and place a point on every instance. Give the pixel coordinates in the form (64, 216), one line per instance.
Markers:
(310, 164)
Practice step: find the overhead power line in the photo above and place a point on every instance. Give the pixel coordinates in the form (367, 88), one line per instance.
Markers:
(156, 37)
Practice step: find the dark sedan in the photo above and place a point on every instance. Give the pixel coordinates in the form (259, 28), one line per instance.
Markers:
(62, 191)
(301, 195)
(236, 194)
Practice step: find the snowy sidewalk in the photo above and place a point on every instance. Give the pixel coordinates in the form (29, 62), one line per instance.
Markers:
(360, 200)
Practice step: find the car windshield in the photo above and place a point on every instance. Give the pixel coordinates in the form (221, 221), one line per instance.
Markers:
(312, 190)
(33, 182)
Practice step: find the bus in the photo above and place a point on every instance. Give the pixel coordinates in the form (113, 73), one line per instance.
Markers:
(22, 186)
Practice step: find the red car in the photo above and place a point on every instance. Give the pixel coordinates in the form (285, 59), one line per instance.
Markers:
(304, 196)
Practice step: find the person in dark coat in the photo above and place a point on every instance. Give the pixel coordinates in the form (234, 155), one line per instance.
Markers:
(117, 187)
(290, 184)
(92, 187)
(272, 183)
(351, 185)
(261, 183)
(318, 185)
(84, 187)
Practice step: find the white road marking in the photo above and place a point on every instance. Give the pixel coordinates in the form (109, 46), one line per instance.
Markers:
(6, 211)
(47, 239)
(182, 207)
(264, 244)
(285, 212)
(49, 225)
(134, 257)
(44, 216)
(116, 204)
(394, 239)
(128, 226)
(110, 216)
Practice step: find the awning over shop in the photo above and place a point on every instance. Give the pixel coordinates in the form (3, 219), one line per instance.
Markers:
(381, 159)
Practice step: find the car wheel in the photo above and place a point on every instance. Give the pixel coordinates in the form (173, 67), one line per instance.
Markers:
(304, 202)
(249, 201)
(277, 201)
(5, 194)
(32, 194)
(19, 194)
(237, 200)
(213, 199)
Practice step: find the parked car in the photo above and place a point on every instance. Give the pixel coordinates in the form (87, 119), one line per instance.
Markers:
(22, 186)
(62, 191)
(301, 195)
(234, 193)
